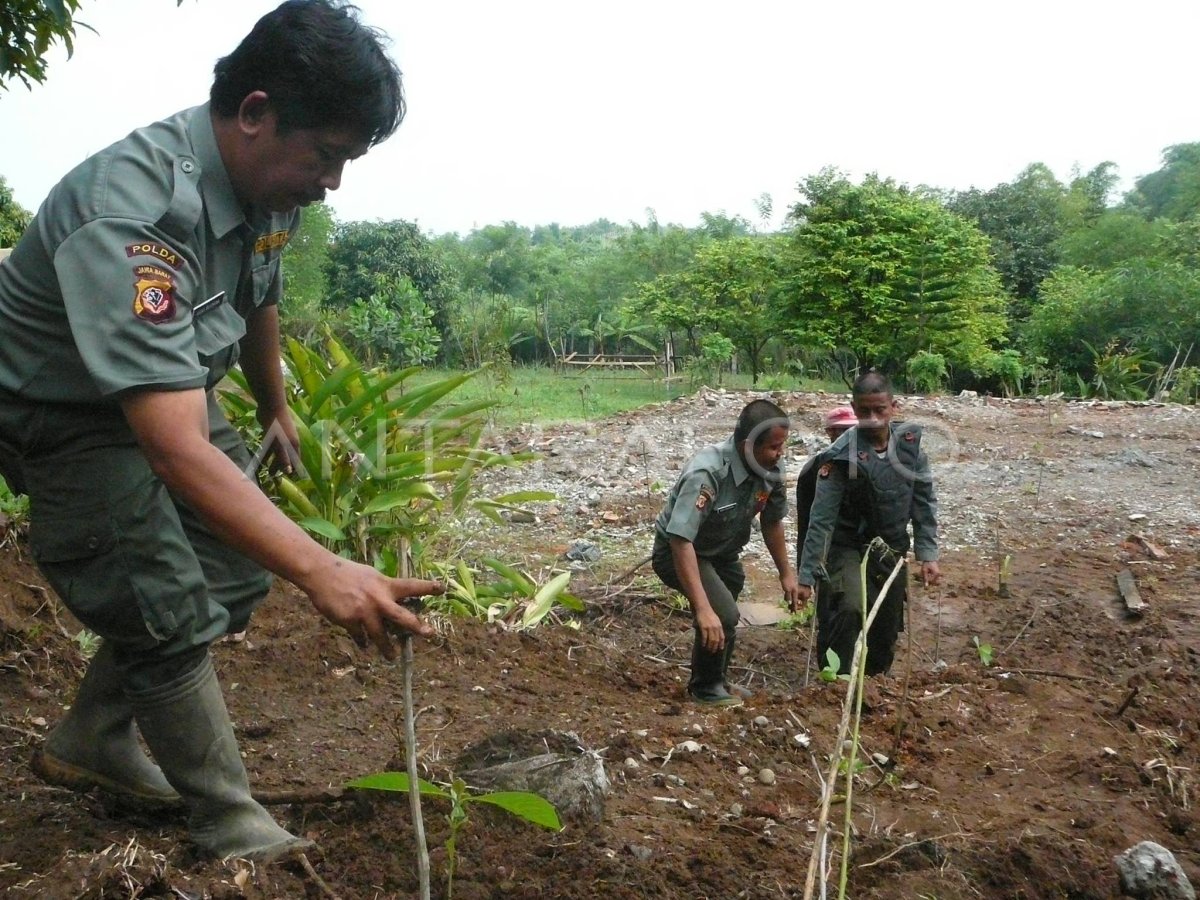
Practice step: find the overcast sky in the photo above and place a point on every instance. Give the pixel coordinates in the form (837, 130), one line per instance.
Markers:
(565, 111)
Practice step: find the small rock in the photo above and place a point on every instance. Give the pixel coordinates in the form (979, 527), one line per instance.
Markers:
(1137, 517)
(631, 763)
(766, 776)
(735, 810)
(695, 728)
(583, 551)
(761, 721)
(1151, 870)
(688, 747)
(640, 853)
(743, 770)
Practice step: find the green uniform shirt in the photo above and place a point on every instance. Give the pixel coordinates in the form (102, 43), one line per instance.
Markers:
(715, 500)
(862, 494)
(106, 290)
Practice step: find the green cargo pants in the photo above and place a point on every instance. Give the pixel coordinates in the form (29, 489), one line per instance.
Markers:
(131, 562)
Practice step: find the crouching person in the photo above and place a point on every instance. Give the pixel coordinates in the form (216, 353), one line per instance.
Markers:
(700, 533)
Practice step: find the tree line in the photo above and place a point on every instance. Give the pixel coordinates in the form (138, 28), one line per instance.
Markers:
(1033, 285)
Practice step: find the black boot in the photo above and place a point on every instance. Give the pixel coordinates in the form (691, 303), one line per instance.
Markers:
(189, 732)
(736, 690)
(707, 685)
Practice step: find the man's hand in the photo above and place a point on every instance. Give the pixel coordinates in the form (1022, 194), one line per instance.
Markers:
(931, 573)
(791, 589)
(281, 442)
(804, 594)
(368, 604)
(712, 632)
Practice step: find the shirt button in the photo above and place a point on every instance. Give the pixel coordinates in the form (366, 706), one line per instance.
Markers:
(187, 166)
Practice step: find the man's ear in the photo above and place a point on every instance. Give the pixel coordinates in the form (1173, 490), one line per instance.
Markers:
(253, 112)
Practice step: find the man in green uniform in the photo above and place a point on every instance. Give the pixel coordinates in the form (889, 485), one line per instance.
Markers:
(148, 272)
(699, 536)
(871, 483)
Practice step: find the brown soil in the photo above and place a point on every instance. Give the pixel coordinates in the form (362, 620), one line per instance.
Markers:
(1022, 780)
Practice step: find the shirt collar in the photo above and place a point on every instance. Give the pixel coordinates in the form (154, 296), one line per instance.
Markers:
(736, 464)
(224, 211)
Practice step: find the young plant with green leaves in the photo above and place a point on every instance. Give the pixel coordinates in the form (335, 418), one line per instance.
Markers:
(525, 805)
(511, 598)
(379, 463)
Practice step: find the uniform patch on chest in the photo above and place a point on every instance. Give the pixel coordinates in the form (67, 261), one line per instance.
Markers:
(706, 494)
(153, 294)
(272, 241)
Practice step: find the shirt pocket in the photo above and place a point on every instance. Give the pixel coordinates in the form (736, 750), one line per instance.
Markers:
(261, 279)
(217, 334)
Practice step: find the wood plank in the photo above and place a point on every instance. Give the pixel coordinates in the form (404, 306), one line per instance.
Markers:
(1130, 594)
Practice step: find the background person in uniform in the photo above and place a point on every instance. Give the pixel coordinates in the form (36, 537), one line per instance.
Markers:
(871, 483)
(837, 422)
(700, 533)
(148, 272)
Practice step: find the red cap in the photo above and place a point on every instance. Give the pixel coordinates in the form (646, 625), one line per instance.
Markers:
(842, 417)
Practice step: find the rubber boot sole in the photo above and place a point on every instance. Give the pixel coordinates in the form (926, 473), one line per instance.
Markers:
(67, 775)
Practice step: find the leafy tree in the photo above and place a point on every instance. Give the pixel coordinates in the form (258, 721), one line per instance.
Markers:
(305, 259)
(1024, 219)
(393, 326)
(1112, 239)
(363, 252)
(728, 290)
(883, 272)
(1173, 191)
(1149, 306)
(14, 218)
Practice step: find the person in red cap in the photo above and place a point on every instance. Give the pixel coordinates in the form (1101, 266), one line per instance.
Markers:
(837, 422)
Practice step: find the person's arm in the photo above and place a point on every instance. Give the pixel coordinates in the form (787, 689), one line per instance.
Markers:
(687, 567)
(924, 522)
(172, 429)
(776, 541)
(827, 502)
(259, 361)
(806, 486)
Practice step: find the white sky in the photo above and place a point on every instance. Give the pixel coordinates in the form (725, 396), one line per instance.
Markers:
(564, 111)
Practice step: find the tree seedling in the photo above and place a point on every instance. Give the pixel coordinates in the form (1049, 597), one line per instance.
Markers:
(523, 804)
(986, 654)
(833, 663)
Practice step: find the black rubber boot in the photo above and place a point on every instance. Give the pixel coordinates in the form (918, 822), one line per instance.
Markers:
(187, 727)
(707, 684)
(736, 690)
(96, 746)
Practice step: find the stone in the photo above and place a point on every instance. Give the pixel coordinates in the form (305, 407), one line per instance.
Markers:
(552, 764)
(766, 776)
(583, 551)
(1150, 870)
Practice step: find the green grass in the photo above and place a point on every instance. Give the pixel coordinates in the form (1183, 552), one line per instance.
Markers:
(540, 394)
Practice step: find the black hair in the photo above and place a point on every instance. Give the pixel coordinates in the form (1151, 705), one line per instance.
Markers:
(319, 67)
(757, 419)
(871, 383)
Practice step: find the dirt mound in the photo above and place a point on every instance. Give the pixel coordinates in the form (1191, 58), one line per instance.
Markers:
(1022, 779)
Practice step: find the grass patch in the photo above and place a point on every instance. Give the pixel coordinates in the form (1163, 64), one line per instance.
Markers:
(541, 394)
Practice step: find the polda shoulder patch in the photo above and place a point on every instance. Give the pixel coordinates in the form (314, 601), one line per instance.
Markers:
(824, 471)
(153, 294)
(160, 252)
(909, 436)
(706, 494)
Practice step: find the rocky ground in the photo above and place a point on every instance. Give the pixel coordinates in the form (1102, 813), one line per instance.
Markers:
(1017, 780)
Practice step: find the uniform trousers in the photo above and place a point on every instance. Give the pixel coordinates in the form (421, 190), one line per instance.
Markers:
(131, 562)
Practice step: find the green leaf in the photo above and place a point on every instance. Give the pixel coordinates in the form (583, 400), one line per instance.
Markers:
(525, 805)
(396, 781)
(525, 497)
(543, 600)
(417, 490)
(519, 580)
(323, 527)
